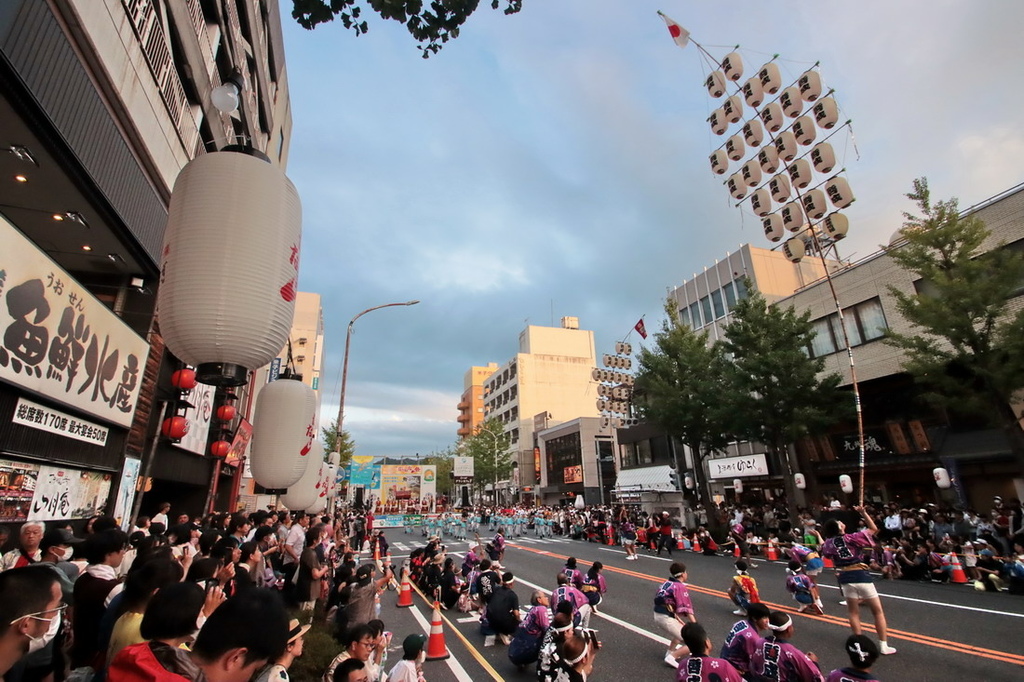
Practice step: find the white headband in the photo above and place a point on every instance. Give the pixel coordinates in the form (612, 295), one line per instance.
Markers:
(785, 626)
(574, 661)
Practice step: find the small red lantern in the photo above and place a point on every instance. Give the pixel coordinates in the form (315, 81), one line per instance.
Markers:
(226, 413)
(174, 428)
(220, 448)
(185, 379)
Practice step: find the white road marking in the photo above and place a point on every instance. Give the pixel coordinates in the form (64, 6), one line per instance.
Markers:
(939, 603)
(645, 556)
(460, 673)
(618, 621)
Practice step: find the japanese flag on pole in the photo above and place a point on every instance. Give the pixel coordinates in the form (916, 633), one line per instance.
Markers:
(640, 328)
(678, 33)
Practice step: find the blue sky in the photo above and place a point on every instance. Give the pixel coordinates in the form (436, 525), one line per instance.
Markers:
(554, 163)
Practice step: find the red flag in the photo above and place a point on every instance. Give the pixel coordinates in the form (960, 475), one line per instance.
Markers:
(640, 329)
(678, 33)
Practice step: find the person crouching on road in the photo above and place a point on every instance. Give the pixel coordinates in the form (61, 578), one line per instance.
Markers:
(743, 589)
(699, 666)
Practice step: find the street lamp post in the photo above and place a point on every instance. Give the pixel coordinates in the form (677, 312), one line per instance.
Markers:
(344, 366)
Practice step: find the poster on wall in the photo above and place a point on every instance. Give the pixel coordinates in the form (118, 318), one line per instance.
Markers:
(201, 396)
(408, 487)
(17, 486)
(126, 492)
(240, 443)
(63, 493)
(59, 341)
(363, 470)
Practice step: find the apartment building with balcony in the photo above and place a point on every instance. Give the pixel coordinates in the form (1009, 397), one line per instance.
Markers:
(471, 404)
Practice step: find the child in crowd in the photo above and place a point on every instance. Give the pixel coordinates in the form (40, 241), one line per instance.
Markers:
(803, 589)
(743, 590)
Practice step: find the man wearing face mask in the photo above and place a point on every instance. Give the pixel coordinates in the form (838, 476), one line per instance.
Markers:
(30, 604)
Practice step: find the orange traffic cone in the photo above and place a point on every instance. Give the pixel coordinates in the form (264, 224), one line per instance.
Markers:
(696, 545)
(827, 562)
(405, 595)
(771, 553)
(736, 552)
(957, 575)
(437, 650)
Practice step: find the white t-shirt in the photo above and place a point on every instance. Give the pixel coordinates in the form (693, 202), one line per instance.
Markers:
(297, 541)
(159, 518)
(404, 671)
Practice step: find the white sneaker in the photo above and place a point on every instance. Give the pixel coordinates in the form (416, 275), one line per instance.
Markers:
(842, 603)
(671, 661)
(886, 650)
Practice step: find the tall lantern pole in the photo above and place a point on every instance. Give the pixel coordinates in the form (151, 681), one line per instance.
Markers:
(344, 367)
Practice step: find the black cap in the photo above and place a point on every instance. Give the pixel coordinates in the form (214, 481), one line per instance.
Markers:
(59, 536)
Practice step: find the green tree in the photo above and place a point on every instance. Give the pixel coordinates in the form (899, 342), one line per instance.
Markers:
(680, 383)
(430, 24)
(489, 448)
(330, 436)
(968, 349)
(777, 394)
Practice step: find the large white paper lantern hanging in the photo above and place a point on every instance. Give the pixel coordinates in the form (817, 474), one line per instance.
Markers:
(773, 228)
(809, 85)
(835, 225)
(839, 192)
(826, 113)
(737, 188)
(786, 145)
(769, 159)
(942, 478)
(753, 93)
(303, 493)
(794, 249)
(283, 431)
(715, 84)
(792, 216)
(846, 484)
(732, 66)
(751, 173)
(719, 162)
(771, 79)
(753, 132)
(761, 202)
(733, 109)
(772, 117)
(734, 147)
(814, 204)
(804, 130)
(718, 121)
(823, 157)
(790, 102)
(800, 173)
(230, 265)
(737, 485)
(780, 188)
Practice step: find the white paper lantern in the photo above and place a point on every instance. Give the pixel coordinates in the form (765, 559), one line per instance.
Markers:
(735, 148)
(780, 188)
(800, 173)
(794, 249)
(753, 93)
(753, 132)
(719, 162)
(769, 159)
(799, 481)
(771, 79)
(303, 493)
(942, 478)
(733, 109)
(737, 484)
(804, 130)
(814, 204)
(579, 503)
(732, 66)
(283, 432)
(835, 225)
(792, 216)
(839, 192)
(715, 84)
(772, 117)
(737, 188)
(790, 101)
(846, 483)
(761, 202)
(826, 113)
(230, 266)
(786, 145)
(751, 173)
(809, 85)
(718, 121)
(773, 228)
(823, 157)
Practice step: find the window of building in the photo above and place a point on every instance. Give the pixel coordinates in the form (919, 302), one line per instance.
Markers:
(864, 322)
(741, 289)
(627, 455)
(644, 456)
(684, 317)
(716, 301)
(695, 316)
(563, 451)
(730, 295)
(705, 307)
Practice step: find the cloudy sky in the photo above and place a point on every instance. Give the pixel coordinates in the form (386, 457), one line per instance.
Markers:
(554, 163)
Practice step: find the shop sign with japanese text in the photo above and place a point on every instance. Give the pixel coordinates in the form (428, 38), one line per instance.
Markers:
(738, 467)
(59, 341)
(36, 416)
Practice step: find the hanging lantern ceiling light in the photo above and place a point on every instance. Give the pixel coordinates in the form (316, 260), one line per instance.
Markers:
(229, 266)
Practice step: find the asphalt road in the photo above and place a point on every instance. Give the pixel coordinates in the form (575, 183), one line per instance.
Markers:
(942, 632)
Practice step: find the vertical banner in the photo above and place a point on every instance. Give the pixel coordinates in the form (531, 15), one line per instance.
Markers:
(362, 470)
(126, 492)
(240, 443)
(201, 396)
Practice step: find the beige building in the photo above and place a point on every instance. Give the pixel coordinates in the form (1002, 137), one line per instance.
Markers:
(471, 405)
(547, 382)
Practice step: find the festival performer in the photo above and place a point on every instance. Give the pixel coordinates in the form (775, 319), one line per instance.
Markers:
(744, 637)
(811, 561)
(863, 654)
(672, 610)
(803, 589)
(776, 660)
(699, 666)
(743, 589)
(854, 580)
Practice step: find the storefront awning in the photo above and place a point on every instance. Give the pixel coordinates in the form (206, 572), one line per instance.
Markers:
(646, 478)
